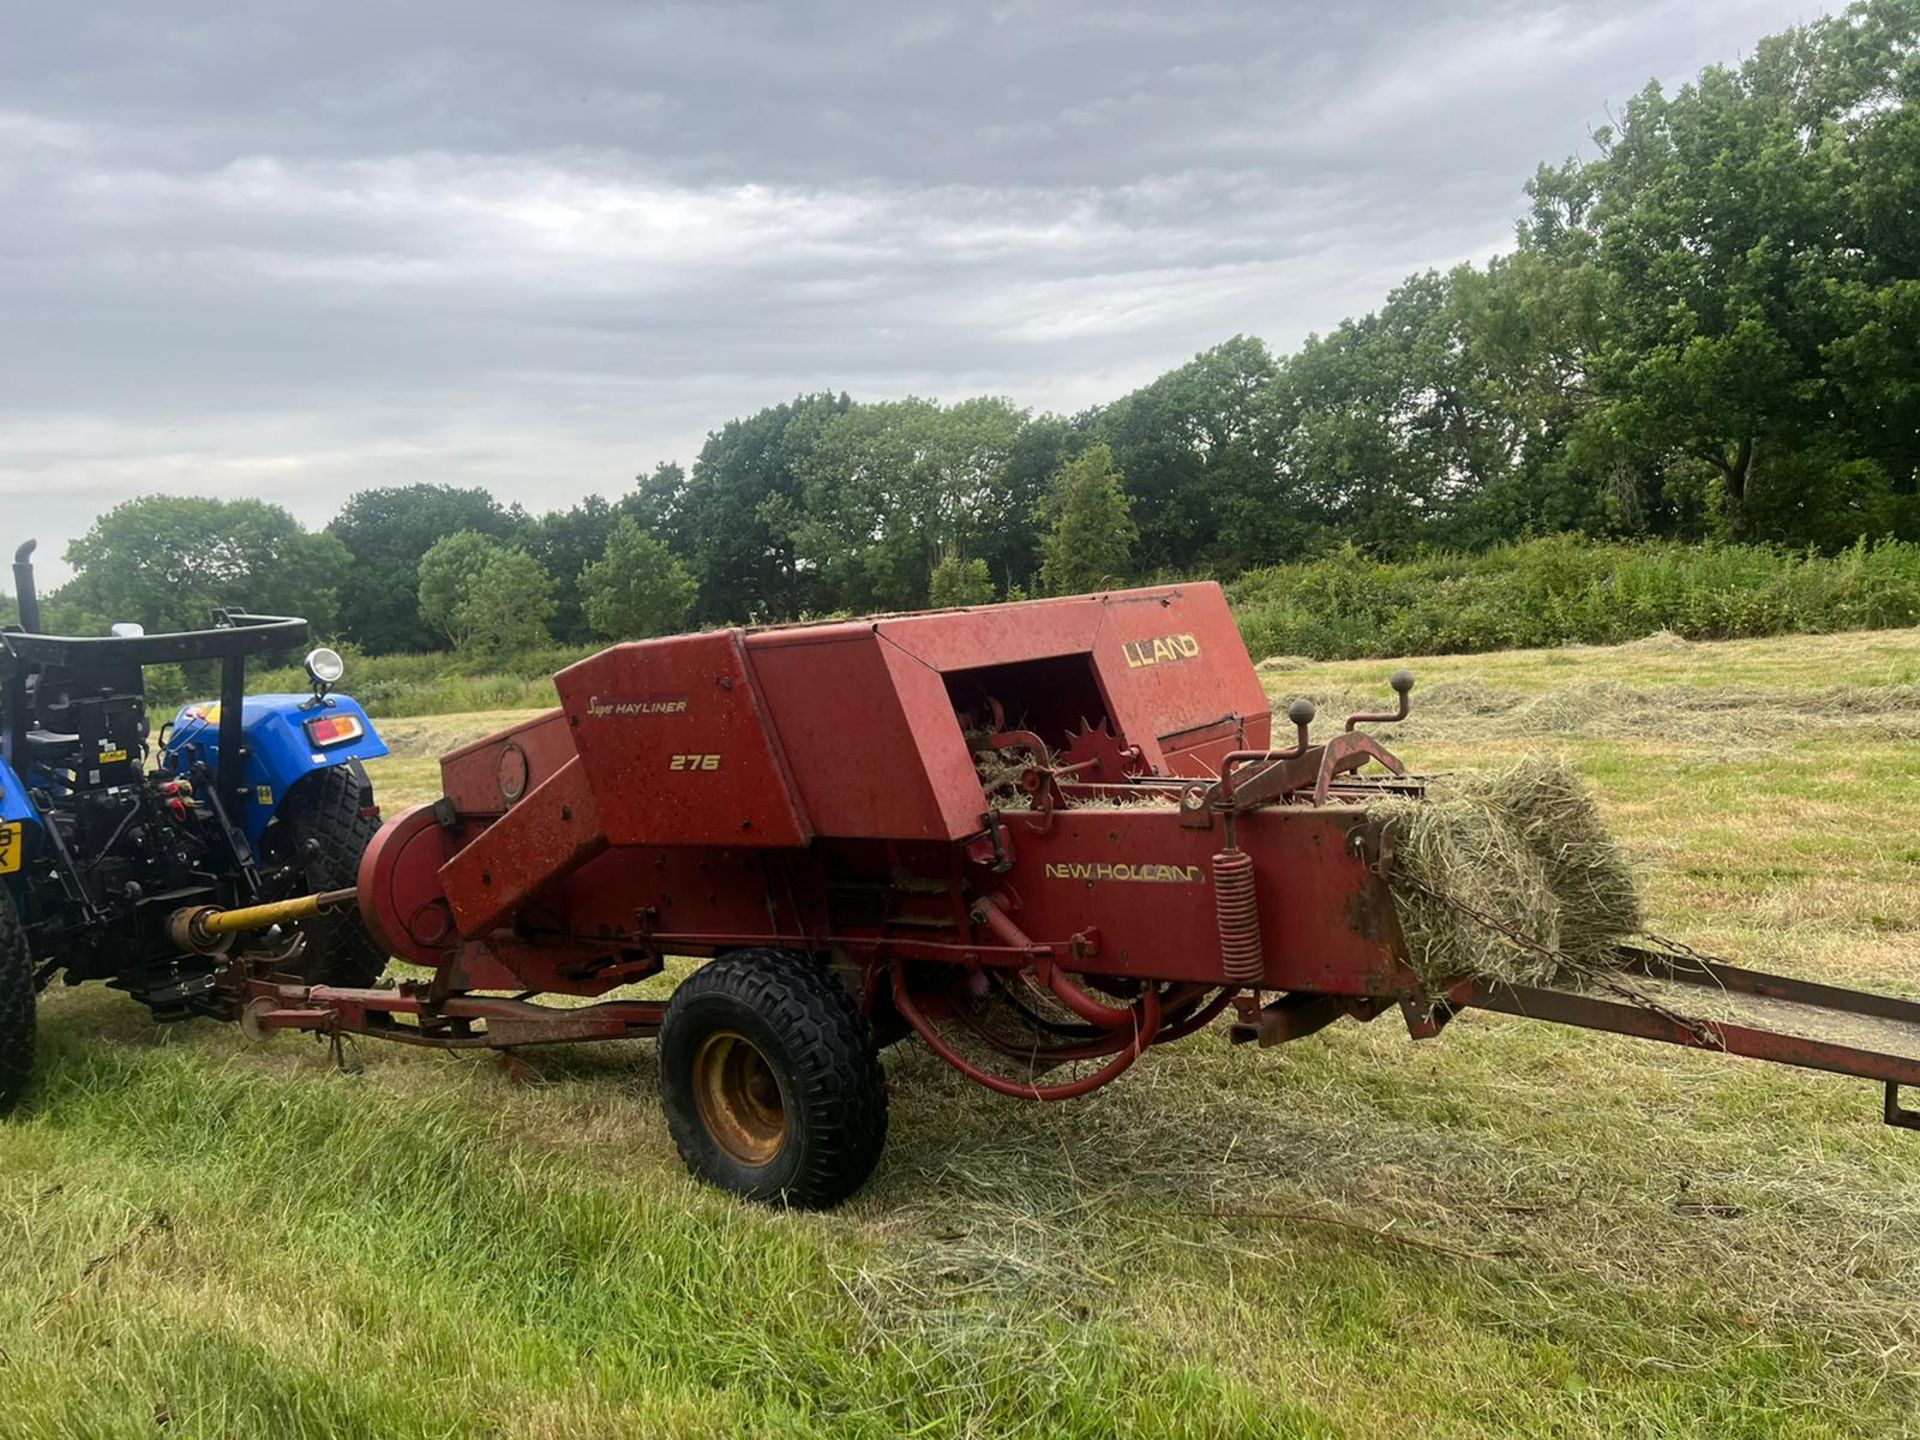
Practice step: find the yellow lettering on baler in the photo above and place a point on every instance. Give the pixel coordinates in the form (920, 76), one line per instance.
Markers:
(1162, 649)
(1098, 870)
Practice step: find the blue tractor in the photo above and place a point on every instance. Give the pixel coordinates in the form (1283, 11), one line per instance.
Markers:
(109, 832)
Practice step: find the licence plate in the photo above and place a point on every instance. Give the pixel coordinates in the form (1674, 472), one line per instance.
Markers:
(11, 845)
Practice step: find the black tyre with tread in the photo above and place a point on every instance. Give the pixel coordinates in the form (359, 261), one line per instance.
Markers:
(786, 1020)
(332, 809)
(17, 1006)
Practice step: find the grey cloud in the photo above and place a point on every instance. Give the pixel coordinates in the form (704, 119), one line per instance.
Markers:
(295, 251)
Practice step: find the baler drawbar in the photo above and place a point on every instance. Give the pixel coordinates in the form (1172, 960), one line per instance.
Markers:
(806, 808)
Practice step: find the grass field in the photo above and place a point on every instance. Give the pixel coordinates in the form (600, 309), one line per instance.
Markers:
(1512, 1229)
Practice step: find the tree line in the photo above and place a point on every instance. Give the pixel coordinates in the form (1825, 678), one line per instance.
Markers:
(1708, 328)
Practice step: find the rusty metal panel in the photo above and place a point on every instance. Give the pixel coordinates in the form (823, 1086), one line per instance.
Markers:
(1144, 882)
(1643, 1022)
(1173, 666)
(555, 830)
(872, 741)
(677, 745)
(490, 776)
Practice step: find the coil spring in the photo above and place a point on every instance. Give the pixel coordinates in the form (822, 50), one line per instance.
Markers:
(1239, 915)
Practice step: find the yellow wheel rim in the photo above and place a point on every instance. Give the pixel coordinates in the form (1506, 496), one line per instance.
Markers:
(739, 1098)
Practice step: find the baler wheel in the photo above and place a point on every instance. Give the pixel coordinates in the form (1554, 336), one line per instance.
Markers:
(738, 1098)
(771, 1081)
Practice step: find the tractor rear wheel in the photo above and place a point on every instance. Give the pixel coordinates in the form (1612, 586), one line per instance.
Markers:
(771, 1082)
(326, 823)
(17, 1005)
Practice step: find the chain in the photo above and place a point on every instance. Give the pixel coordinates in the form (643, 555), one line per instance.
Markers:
(1593, 975)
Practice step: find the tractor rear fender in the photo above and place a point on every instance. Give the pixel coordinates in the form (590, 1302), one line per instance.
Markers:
(14, 804)
(288, 738)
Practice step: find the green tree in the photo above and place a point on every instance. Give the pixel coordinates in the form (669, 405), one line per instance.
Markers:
(1751, 237)
(1198, 449)
(487, 600)
(1400, 422)
(446, 574)
(959, 582)
(388, 531)
(507, 607)
(889, 489)
(565, 543)
(732, 519)
(637, 588)
(1092, 533)
(167, 561)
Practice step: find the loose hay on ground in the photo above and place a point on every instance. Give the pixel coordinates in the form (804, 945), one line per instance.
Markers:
(1524, 847)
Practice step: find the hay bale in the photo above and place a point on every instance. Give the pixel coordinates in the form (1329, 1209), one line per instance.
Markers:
(1525, 846)
(1545, 802)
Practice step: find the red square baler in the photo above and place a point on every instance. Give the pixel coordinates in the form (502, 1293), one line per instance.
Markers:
(1041, 836)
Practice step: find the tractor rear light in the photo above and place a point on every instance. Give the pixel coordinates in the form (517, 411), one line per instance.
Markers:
(334, 730)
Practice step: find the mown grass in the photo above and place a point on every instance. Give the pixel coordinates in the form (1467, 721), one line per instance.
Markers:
(1512, 1229)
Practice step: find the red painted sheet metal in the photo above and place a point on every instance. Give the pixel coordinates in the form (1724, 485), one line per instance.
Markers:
(1171, 663)
(1143, 881)
(1167, 661)
(865, 712)
(400, 897)
(943, 752)
(550, 833)
(677, 745)
(868, 733)
(1198, 753)
(947, 640)
(771, 896)
(489, 776)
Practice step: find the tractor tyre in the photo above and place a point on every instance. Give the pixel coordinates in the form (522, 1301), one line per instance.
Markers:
(329, 817)
(17, 1006)
(771, 1082)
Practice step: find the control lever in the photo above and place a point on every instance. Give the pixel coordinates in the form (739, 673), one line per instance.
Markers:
(1301, 713)
(1402, 683)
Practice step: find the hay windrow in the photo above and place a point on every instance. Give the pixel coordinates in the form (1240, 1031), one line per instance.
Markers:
(1525, 846)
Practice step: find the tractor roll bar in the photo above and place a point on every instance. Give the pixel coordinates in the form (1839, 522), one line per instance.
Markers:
(236, 635)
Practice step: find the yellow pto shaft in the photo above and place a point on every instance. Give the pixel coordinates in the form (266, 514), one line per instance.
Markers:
(203, 929)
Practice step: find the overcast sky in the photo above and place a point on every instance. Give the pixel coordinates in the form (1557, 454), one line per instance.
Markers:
(296, 251)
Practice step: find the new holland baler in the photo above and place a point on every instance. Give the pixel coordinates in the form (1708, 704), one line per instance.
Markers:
(1042, 837)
